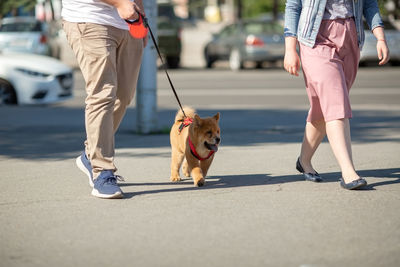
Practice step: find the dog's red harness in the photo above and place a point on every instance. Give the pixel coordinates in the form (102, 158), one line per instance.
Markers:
(185, 123)
(194, 153)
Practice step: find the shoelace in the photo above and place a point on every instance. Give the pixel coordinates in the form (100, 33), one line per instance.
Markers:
(119, 178)
(113, 179)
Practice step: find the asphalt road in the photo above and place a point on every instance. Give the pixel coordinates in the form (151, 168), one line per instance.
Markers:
(255, 209)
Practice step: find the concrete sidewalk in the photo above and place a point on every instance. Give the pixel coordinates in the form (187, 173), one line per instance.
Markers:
(255, 209)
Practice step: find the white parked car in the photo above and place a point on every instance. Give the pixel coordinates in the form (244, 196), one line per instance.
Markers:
(33, 79)
(29, 35)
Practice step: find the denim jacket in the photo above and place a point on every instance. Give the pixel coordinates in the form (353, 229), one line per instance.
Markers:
(303, 18)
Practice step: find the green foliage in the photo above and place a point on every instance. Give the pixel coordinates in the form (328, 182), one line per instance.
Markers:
(253, 8)
(7, 6)
(395, 4)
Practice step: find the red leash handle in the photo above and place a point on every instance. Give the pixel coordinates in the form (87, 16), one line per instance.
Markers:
(138, 28)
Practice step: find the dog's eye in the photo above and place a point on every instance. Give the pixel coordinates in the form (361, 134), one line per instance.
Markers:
(209, 133)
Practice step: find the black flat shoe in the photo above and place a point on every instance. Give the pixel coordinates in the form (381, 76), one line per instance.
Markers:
(361, 182)
(313, 177)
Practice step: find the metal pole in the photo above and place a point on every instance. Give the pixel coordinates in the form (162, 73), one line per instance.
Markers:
(146, 95)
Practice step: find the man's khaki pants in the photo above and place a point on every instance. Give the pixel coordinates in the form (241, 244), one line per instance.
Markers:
(109, 59)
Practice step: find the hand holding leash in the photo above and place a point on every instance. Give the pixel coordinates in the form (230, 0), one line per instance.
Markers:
(138, 28)
(126, 9)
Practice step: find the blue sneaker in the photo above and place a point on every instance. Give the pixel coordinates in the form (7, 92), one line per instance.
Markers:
(105, 186)
(84, 165)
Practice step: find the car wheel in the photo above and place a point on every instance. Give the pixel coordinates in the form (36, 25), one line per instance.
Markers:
(395, 62)
(7, 93)
(259, 64)
(362, 64)
(209, 60)
(173, 62)
(235, 60)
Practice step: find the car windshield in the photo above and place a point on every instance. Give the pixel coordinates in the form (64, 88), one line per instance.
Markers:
(21, 27)
(262, 28)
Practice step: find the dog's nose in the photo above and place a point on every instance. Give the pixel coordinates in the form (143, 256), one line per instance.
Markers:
(217, 140)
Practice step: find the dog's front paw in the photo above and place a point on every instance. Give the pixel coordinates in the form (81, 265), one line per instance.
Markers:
(175, 179)
(200, 182)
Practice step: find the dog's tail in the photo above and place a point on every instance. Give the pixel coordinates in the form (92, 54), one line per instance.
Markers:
(190, 112)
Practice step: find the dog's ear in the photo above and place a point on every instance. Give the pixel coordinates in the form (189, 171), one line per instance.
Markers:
(216, 116)
(197, 120)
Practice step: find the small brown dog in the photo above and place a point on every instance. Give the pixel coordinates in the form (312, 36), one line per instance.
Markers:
(195, 140)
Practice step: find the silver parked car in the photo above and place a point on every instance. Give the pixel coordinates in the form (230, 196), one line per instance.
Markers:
(33, 79)
(369, 54)
(250, 40)
(29, 35)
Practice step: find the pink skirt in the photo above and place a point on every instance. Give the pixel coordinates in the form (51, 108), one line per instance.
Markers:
(330, 68)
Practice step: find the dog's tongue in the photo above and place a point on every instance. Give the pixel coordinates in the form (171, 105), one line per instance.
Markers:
(214, 148)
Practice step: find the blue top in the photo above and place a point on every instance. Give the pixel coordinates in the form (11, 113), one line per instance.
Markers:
(338, 9)
(303, 18)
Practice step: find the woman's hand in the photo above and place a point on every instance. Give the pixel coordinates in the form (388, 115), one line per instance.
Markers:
(381, 46)
(383, 52)
(291, 62)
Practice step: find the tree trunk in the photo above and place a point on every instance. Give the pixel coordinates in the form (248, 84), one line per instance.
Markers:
(275, 9)
(239, 9)
(51, 8)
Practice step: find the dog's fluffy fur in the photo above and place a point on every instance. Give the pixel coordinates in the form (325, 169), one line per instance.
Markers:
(205, 136)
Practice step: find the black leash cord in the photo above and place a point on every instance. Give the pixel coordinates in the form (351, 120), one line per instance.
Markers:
(146, 24)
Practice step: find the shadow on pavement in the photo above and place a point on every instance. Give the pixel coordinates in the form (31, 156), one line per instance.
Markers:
(383, 173)
(54, 132)
(246, 180)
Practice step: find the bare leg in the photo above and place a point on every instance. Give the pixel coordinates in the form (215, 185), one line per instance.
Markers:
(314, 133)
(338, 132)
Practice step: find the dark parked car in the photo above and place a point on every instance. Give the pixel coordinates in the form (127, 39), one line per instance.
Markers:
(252, 40)
(169, 34)
(369, 53)
(29, 35)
